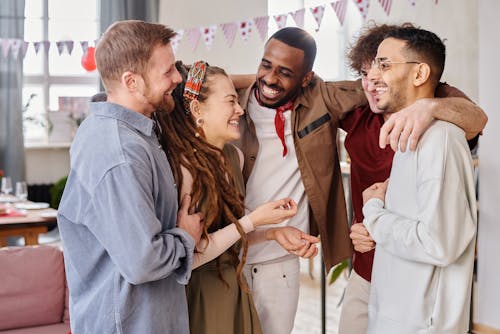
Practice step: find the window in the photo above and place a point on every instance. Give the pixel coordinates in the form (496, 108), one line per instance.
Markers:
(48, 76)
(331, 38)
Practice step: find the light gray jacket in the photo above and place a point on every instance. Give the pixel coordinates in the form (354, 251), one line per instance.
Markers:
(425, 235)
(126, 261)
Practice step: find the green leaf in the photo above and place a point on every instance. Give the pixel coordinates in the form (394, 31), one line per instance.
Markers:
(56, 192)
(337, 270)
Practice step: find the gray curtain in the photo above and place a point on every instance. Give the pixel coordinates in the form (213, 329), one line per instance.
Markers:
(116, 10)
(11, 84)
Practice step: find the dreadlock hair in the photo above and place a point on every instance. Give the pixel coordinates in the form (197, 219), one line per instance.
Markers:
(364, 50)
(214, 192)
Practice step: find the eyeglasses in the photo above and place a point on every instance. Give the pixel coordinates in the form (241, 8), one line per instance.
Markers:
(385, 65)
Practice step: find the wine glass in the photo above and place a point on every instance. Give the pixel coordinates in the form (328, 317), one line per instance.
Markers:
(6, 185)
(22, 190)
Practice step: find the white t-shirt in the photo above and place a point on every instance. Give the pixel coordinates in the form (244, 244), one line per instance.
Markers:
(274, 177)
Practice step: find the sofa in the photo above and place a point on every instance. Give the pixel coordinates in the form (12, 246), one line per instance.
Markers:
(33, 291)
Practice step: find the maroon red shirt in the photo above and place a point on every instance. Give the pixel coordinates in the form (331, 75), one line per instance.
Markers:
(369, 164)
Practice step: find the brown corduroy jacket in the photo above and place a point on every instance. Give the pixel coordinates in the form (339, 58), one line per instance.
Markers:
(314, 125)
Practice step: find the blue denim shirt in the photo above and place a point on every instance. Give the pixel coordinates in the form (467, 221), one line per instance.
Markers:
(126, 261)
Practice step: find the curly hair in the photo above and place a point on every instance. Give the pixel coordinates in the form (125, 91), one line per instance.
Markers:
(214, 192)
(365, 48)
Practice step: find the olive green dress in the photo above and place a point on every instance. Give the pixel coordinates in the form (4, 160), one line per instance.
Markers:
(216, 307)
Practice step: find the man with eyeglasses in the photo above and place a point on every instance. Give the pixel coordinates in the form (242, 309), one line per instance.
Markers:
(424, 218)
(370, 163)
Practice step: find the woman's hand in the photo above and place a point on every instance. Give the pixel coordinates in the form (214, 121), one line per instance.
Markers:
(294, 240)
(273, 212)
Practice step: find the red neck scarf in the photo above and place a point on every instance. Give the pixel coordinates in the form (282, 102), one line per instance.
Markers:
(279, 119)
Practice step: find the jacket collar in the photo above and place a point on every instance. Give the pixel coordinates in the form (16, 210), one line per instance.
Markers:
(134, 119)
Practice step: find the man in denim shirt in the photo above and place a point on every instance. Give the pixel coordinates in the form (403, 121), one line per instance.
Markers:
(128, 252)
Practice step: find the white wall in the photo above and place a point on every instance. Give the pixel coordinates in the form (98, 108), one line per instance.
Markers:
(488, 298)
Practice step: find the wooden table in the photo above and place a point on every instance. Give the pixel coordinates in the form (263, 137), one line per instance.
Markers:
(29, 226)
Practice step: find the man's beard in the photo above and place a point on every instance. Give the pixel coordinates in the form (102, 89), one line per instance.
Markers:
(166, 105)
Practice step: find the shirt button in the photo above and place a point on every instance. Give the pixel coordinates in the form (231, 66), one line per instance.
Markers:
(255, 270)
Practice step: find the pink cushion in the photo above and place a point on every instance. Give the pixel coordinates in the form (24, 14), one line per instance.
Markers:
(32, 286)
(49, 329)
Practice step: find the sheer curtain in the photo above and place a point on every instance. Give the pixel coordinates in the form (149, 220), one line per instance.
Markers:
(115, 10)
(11, 84)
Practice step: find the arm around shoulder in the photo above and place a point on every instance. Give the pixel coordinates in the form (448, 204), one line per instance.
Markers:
(456, 107)
(342, 97)
(242, 81)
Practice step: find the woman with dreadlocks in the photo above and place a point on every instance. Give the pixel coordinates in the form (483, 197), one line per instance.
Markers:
(195, 137)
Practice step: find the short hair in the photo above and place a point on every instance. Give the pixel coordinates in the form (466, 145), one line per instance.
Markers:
(128, 46)
(426, 46)
(300, 39)
(365, 48)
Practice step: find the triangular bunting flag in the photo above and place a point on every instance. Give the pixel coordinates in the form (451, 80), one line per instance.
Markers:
(386, 5)
(193, 35)
(262, 24)
(245, 29)
(176, 40)
(280, 20)
(84, 45)
(340, 7)
(318, 12)
(208, 34)
(5, 47)
(15, 46)
(298, 17)
(363, 6)
(37, 45)
(46, 47)
(69, 46)
(24, 48)
(229, 31)
(60, 47)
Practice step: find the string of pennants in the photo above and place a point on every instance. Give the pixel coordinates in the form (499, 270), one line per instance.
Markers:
(19, 48)
(244, 28)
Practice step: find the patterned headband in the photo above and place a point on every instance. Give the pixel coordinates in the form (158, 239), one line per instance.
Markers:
(195, 78)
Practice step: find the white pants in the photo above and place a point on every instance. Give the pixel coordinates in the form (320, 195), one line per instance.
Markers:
(354, 314)
(275, 292)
